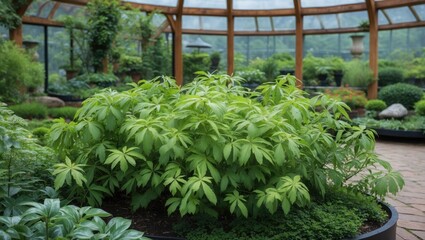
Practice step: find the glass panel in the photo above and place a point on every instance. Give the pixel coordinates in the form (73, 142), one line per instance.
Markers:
(33, 9)
(400, 15)
(69, 9)
(264, 24)
(198, 59)
(214, 23)
(382, 20)
(205, 4)
(352, 19)
(248, 48)
(4, 33)
(327, 3)
(284, 23)
(420, 10)
(401, 44)
(158, 19)
(261, 5)
(169, 3)
(35, 33)
(245, 24)
(329, 21)
(311, 22)
(191, 22)
(58, 54)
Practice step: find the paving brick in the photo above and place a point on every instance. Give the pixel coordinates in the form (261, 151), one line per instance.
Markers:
(412, 218)
(405, 235)
(420, 207)
(420, 234)
(411, 225)
(408, 210)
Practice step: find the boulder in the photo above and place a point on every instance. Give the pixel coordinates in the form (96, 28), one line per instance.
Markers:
(49, 102)
(396, 110)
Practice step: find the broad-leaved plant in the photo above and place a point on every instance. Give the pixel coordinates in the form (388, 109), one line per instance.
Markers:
(212, 146)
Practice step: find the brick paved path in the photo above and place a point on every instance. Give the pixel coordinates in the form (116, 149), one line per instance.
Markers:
(409, 159)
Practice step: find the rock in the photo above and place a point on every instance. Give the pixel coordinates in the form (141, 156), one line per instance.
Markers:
(50, 102)
(396, 110)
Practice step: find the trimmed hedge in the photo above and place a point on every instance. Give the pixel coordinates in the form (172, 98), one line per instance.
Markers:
(406, 94)
(30, 110)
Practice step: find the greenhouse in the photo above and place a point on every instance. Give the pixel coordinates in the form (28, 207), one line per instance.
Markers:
(226, 119)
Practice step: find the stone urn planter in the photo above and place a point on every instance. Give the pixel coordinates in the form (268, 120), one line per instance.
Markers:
(357, 48)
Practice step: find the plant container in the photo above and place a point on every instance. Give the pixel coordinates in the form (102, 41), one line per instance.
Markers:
(385, 232)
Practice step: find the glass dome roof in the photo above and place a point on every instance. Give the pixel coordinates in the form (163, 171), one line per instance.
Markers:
(253, 17)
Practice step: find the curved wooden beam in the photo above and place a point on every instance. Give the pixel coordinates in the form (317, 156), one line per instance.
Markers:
(53, 11)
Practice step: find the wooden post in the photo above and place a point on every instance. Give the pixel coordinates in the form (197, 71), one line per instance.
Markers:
(178, 42)
(299, 39)
(372, 90)
(16, 35)
(230, 38)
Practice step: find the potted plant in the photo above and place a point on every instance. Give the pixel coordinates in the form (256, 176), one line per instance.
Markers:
(338, 67)
(210, 147)
(322, 73)
(131, 65)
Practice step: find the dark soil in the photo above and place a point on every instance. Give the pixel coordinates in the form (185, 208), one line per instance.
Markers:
(154, 221)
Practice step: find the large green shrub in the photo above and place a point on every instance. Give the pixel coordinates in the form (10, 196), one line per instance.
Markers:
(357, 74)
(403, 93)
(390, 75)
(420, 108)
(212, 147)
(18, 72)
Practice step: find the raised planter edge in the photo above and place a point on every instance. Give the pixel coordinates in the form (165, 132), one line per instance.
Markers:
(385, 232)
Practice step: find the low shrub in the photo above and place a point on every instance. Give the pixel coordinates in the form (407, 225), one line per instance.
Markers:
(99, 79)
(63, 112)
(390, 75)
(403, 93)
(413, 123)
(375, 105)
(352, 97)
(337, 217)
(30, 110)
(420, 108)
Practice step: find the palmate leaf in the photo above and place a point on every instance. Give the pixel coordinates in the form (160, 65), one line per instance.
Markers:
(391, 182)
(237, 200)
(124, 157)
(67, 171)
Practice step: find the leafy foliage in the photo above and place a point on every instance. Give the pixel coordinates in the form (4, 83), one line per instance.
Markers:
(352, 97)
(408, 123)
(103, 28)
(420, 108)
(51, 221)
(30, 110)
(390, 75)
(63, 112)
(403, 93)
(375, 105)
(18, 71)
(214, 147)
(357, 74)
(24, 165)
(339, 216)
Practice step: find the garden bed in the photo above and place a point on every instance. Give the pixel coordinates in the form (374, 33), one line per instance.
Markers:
(157, 225)
(408, 134)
